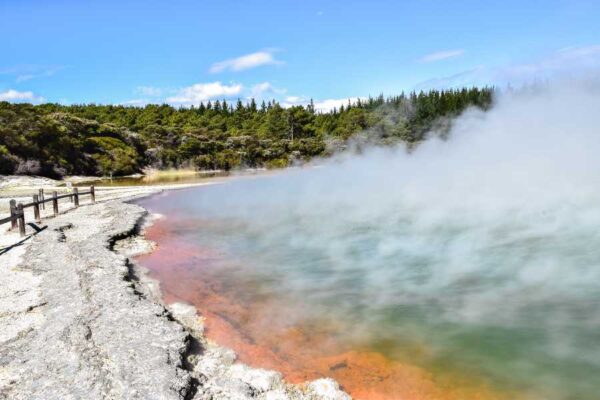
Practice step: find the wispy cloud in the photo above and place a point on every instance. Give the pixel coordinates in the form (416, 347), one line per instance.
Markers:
(322, 106)
(261, 88)
(201, 92)
(23, 73)
(291, 101)
(563, 62)
(149, 91)
(441, 55)
(136, 102)
(462, 78)
(14, 96)
(253, 60)
(264, 89)
(328, 105)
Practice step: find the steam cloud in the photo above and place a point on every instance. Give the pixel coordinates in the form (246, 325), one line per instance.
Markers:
(488, 242)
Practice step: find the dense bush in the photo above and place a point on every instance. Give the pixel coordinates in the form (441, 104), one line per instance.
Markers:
(54, 140)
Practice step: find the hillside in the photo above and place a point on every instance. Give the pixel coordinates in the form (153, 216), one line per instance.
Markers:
(54, 140)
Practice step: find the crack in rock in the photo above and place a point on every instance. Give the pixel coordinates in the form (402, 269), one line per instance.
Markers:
(96, 337)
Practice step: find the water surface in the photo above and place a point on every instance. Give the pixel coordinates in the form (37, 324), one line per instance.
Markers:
(162, 177)
(400, 297)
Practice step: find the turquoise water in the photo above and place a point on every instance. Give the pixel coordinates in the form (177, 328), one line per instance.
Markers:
(507, 289)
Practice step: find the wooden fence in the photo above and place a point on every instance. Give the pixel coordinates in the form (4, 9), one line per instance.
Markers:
(17, 211)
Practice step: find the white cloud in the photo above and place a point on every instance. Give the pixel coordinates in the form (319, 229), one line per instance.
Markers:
(253, 60)
(149, 91)
(262, 89)
(322, 106)
(329, 104)
(15, 96)
(201, 92)
(295, 100)
(441, 55)
(564, 62)
(135, 102)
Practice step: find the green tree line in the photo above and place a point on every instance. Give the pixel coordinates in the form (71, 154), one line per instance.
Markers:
(56, 140)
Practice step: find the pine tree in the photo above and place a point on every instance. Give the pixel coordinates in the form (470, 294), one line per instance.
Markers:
(252, 106)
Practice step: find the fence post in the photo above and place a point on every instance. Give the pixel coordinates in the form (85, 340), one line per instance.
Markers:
(13, 212)
(55, 203)
(41, 197)
(76, 195)
(36, 208)
(21, 219)
(93, 193)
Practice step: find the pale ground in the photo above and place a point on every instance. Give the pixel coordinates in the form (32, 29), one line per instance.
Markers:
(79, 321)
(22, 189)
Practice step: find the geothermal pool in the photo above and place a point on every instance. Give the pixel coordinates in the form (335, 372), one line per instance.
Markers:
(395, 293)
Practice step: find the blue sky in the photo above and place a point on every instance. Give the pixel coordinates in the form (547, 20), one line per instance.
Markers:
(183, 52)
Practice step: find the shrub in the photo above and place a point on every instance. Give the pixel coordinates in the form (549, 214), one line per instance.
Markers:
(8, 162)
(277, 163)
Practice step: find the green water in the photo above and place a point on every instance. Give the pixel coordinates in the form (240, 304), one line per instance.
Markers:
(512, 295)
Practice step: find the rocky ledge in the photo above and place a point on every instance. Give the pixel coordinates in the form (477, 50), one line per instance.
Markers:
(79, 321)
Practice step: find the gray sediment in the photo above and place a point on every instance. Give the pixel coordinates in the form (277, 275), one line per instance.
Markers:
(78, 320)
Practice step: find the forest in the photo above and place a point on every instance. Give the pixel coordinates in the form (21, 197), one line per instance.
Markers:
(56, 140)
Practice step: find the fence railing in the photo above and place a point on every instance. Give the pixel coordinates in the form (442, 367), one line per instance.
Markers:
(17, 211)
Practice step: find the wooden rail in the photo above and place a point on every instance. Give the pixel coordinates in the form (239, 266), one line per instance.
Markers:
(17, 213)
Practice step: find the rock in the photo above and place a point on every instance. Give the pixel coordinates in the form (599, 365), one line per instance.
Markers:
(93, 336)
(259, 380)
(80, 321)
(187, 315)
(134, 246)
(326, 389)
(8, 181)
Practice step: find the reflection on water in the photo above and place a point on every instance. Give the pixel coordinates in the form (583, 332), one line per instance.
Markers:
(409, 299)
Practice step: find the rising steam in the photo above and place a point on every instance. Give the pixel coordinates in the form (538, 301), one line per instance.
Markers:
(486, 246)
